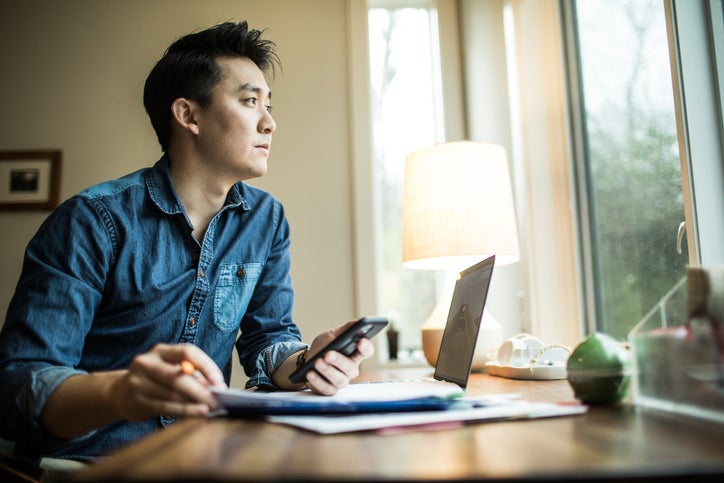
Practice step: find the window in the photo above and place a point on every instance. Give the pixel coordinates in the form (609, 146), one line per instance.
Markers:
(697, 45)
(647, 147)
(406, 109)
(629, 173)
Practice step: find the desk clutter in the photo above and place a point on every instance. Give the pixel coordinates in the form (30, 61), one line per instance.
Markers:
(413, 404)
(526, 357)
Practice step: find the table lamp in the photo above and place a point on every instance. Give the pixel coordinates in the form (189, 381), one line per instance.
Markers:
(457, 210)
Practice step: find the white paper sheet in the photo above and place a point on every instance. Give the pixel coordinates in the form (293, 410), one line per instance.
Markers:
(504, 409)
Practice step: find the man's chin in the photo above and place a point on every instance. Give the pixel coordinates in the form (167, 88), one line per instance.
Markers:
(256, 172)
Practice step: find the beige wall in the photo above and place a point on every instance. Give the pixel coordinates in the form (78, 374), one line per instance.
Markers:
(72, 78)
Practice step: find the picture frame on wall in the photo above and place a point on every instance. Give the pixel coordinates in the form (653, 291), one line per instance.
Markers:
(29, 180)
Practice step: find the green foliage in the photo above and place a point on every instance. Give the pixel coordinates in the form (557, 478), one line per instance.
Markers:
(635, 185)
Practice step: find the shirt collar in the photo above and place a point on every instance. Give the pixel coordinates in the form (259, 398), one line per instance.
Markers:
(163, 193)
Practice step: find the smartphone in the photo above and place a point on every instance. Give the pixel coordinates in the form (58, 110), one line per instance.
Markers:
(345, 343)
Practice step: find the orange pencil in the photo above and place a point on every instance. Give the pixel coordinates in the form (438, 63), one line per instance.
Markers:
(188, 367)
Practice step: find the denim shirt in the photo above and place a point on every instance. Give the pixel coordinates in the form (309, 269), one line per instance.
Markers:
(114, 271)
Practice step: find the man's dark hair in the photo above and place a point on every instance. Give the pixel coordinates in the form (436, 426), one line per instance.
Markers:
(189, 69)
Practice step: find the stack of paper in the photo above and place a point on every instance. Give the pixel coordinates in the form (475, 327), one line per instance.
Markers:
(388, 406)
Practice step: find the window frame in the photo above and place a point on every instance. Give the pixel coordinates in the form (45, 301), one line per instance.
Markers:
(696, 49)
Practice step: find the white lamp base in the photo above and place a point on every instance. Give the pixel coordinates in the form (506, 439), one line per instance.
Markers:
(490, 335)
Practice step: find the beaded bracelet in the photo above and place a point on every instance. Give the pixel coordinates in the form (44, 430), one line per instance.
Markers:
(302, 358)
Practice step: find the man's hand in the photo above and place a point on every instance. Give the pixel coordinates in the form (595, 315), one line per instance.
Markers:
(332, 372)
(156, 383)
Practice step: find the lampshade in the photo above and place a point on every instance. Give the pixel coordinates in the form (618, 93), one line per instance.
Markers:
(458, 207)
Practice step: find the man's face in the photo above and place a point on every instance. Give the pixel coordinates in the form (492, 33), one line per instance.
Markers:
(235, 130)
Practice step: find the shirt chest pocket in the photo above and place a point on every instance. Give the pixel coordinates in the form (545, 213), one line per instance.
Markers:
(233, 293)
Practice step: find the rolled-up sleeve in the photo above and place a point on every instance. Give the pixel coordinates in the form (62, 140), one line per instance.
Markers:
(269, 361)
(25, 390)
(48, 318)
(40, 384)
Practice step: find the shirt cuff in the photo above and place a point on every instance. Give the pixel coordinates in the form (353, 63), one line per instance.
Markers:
(42, 383)
(269, 361)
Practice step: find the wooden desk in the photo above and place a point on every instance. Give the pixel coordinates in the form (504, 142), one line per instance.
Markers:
(619, 442)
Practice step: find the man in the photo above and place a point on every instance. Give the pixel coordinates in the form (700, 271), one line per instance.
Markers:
(129, 279)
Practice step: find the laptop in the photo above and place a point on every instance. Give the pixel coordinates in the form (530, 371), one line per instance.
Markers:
(460, 336)
(457, 348)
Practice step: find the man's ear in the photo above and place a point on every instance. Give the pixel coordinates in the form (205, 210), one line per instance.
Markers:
(184, 114)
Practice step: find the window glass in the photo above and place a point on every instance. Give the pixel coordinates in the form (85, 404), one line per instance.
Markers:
(632, 176)
(405, 112)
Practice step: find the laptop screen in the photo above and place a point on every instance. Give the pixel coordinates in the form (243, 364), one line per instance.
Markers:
(463, 323)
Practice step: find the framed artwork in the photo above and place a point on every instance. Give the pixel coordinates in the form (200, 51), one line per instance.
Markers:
(29, 180)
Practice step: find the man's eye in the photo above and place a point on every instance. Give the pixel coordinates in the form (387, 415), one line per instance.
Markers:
(269, 109)
(250, 100)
